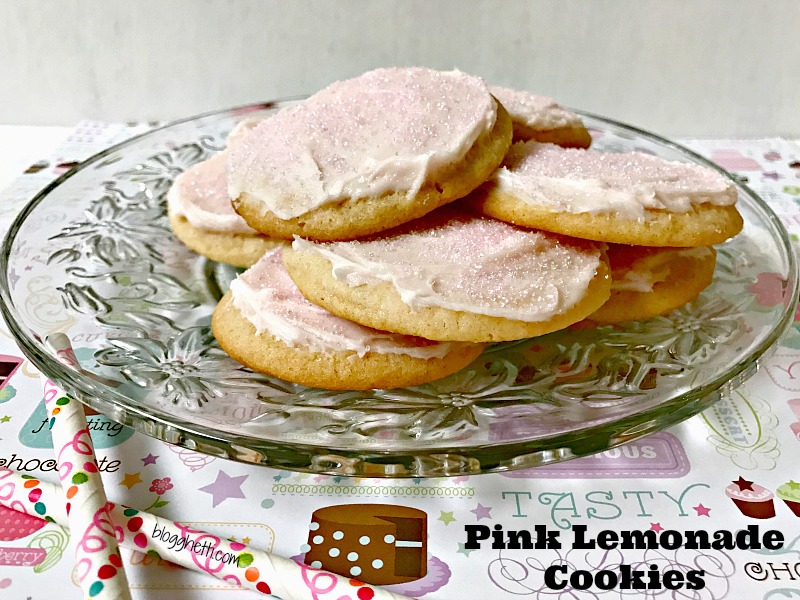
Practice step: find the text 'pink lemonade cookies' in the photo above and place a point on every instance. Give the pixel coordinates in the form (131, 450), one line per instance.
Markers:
(367, 154)
(202, 217)
(646, 282)
(266, 324)
(455, 276)
(627, 198)
(542, 119)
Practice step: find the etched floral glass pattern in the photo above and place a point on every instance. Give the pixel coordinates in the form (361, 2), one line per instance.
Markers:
(93, 256)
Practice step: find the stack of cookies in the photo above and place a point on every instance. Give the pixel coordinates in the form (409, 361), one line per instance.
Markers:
(397, 222)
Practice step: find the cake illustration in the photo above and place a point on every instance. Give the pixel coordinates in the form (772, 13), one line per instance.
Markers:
(8, 366)
(790, 493)
(15, 525)
(795, 427)
(381, 544)
(794, 405)
(733, 160)
(751, 499)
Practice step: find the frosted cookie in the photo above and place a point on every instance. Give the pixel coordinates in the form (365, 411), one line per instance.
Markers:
(381, 544)
(367, 154)
(646, 282)
(542, 119)
(454, 276)
(626, 198)
(241, 129)
(202, 217)
(266, 324)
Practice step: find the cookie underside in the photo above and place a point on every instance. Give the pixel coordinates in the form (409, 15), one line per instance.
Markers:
(688, 276)
(380, 306)
(357, 217)
(335, 370)
(237, 249)
(566, 137)
(704, 225)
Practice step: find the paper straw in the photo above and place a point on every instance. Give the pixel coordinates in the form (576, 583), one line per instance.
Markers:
(233, 562)
(98, 564)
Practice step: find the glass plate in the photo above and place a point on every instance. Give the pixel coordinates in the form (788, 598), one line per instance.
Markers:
(92, 256)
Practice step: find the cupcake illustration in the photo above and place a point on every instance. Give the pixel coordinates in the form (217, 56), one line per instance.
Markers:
(751, 499)
(790, 493)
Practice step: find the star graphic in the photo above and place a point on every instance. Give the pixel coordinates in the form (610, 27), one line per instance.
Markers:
(13, 277)
(446, 517)
(224, 487)
(702, 511)
(5, 419)
(245, 540)
(481, 511)
(462, 549)
(656, 527)
(149, 459)
(131, 479)
(232, 539)
(743, 484)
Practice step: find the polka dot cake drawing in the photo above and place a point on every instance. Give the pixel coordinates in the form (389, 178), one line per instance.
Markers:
(381, 544)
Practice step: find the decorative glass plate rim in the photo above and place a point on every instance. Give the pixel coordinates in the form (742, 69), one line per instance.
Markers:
(241, 447)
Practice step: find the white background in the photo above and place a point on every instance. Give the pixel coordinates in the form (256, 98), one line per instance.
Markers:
(678, 67)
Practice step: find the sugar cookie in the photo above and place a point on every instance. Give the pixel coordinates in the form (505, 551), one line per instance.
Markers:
(541, 119)
(628, 198)
(646, 282)
(368, 154)
(202, 217)
(454, 276)
(266, 324)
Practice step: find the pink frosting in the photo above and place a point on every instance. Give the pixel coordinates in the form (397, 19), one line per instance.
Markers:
(537, 112)
(384, 131)
(242, 128)
(200, 195)
(462, 262)
(757, 494)
(591, 181)
(267, 297)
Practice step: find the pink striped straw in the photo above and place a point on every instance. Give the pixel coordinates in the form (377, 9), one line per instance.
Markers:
(234, 562)
(98, 563)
